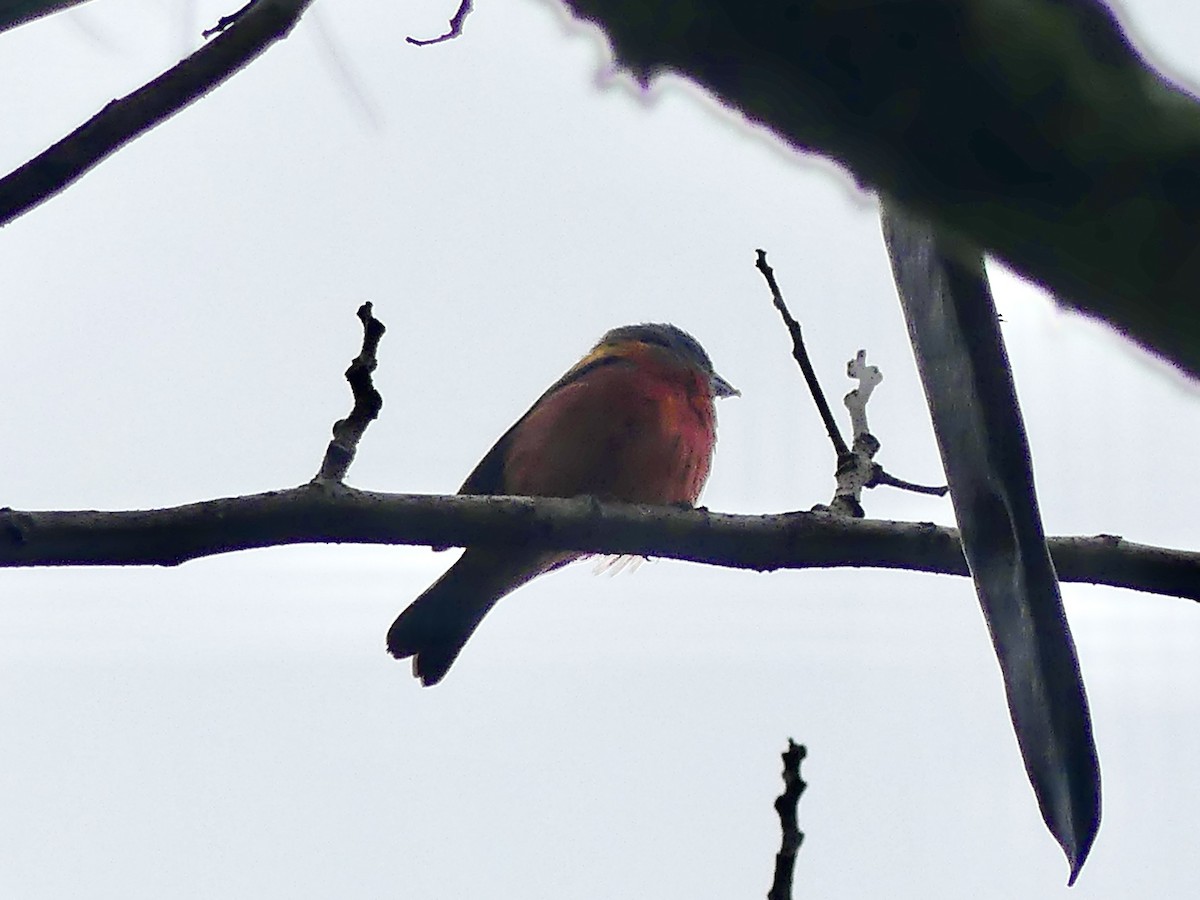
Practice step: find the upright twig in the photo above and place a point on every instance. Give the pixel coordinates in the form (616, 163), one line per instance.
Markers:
(800, 354)
(368, 402)
(858, 469)
(791, 836)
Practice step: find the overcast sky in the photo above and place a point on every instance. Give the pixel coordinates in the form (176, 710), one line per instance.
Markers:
(176, 326)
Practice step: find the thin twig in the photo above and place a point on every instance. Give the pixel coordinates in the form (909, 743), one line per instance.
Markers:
(791, 836)
(456, 27)
(800, 354)
(368, 402)
(881, 477)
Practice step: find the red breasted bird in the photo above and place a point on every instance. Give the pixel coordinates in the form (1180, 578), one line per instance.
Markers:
(632, 421)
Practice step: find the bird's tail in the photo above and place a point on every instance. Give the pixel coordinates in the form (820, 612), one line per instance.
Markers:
(437, 624)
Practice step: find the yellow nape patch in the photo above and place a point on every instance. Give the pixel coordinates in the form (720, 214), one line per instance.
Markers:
(604, 351)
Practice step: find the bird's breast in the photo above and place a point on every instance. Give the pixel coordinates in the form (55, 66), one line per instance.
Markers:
(637, 433)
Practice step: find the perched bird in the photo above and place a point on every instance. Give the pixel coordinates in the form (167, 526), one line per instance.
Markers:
(632, 421)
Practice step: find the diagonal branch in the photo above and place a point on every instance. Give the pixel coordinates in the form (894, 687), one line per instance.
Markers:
(261, 24)
(328, 512)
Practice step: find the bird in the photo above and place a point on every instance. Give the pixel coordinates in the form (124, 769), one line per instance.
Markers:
(632, 421)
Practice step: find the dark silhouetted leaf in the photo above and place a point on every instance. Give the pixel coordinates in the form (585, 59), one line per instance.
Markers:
(960, 353)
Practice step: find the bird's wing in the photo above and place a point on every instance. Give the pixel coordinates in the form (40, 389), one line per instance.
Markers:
(488, 476)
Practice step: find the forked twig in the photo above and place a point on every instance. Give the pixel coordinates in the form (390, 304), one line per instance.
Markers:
(856, 468)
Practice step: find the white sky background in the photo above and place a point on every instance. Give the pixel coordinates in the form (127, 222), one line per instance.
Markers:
(176, 327)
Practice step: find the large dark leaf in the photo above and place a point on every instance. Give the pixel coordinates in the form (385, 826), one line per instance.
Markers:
(956, 339)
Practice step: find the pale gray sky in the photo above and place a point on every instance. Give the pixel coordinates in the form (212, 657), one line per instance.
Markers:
(176, 326)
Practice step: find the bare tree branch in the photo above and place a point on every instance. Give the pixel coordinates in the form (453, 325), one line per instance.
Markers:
(260, 25)
(329, 512)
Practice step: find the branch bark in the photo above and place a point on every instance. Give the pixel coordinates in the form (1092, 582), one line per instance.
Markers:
(327, 512)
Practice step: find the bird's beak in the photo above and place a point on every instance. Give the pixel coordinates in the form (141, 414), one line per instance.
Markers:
(722, 388)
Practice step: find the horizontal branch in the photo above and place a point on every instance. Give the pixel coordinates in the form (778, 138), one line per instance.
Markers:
(335, 513)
